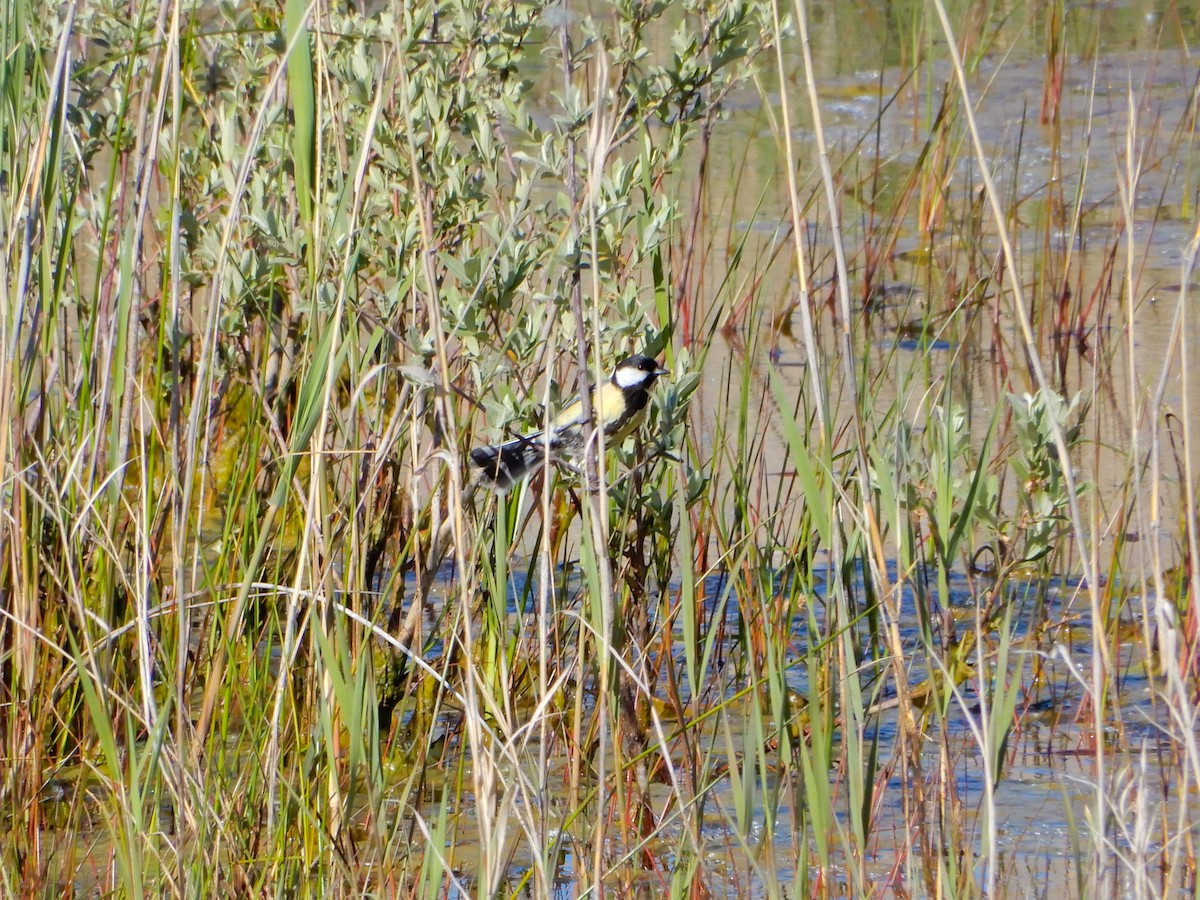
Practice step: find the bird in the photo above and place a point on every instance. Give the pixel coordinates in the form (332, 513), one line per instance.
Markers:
(619, 403)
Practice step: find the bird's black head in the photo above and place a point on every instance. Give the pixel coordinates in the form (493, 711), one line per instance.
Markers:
(637, 372)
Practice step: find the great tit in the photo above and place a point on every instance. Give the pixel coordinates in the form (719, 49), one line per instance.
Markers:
(619, 404)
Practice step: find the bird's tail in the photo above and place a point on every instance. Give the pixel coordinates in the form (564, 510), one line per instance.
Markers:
(503, 465)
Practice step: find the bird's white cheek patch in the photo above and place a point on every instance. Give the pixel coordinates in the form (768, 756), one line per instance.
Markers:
(627, 378)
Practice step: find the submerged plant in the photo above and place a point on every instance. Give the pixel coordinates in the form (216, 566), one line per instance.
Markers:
(1040, 487)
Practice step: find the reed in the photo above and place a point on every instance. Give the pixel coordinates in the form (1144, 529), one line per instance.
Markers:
(911, 514)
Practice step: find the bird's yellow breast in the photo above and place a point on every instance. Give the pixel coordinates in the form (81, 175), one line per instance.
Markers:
(610, 406)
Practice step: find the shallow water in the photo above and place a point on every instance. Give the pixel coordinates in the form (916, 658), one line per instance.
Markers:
(1042, 802)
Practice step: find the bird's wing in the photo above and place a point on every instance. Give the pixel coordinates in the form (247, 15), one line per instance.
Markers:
(571, 414)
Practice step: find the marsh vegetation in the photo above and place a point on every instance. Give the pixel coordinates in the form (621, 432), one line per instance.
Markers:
(893, 595)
